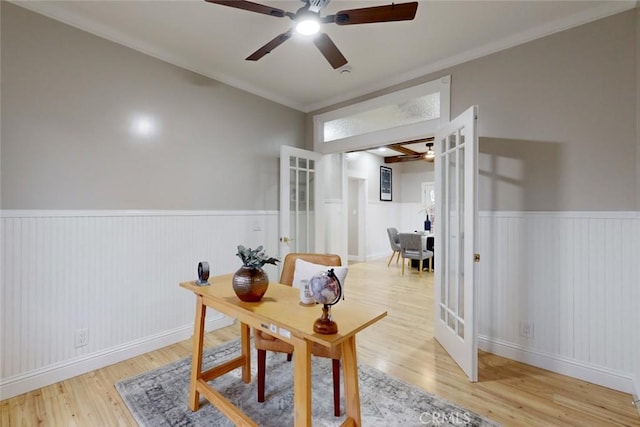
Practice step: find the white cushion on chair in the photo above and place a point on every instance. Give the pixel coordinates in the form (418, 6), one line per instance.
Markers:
(305, 270)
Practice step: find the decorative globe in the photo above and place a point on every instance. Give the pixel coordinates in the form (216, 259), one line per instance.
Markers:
(325, 287)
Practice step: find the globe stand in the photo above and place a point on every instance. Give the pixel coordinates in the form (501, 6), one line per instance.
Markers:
(324, 325)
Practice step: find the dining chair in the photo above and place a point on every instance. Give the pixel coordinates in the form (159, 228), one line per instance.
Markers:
(394, 241)
(412, 246)
(264, 341)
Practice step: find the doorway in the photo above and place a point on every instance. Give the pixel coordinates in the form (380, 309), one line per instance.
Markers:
(356, 208)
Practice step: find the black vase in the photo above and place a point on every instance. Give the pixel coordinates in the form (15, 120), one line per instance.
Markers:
(250, 283)
(427, 225)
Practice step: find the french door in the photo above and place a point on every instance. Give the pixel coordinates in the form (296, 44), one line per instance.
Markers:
(300, 201)
(456, 171)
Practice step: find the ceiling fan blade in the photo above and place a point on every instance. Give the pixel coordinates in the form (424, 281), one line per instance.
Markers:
(330, 51)
(367, 15)
(267, 48)
(252, 7)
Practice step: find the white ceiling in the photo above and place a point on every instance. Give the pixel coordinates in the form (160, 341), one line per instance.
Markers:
(214, 40)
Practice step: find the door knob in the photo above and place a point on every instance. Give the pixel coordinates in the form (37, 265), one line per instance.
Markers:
(286, 239)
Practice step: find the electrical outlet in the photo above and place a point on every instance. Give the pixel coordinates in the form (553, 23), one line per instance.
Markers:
(526, 329)
(82, 337)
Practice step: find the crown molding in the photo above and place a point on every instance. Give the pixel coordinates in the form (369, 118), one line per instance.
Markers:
(558, 25)
(49, 10)
(596, 12)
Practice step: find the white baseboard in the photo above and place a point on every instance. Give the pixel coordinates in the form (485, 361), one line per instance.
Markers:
(379, 255)
(28, 381)
(636, 393)
(562, 365)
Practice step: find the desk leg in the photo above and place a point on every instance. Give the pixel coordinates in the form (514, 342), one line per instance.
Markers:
(245, 342)
(302, 382)
(196, 354)
(351, 389)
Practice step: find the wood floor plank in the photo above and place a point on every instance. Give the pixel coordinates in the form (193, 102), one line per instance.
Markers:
(401, 345)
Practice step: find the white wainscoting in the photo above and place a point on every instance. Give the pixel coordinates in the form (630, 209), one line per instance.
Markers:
(115, 273)
(380, 216)
(574, 276)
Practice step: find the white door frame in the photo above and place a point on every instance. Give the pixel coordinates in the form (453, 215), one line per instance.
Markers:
(374, 139)
(363, 199)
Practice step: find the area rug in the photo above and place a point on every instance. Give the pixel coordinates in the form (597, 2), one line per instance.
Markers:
(159, 397)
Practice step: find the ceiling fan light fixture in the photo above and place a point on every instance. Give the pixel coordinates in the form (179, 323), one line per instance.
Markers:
(308, 26)
(430, 155)
(307, 22)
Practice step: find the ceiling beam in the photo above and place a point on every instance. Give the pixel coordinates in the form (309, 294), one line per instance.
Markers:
(402, 149)
(407, 158)
(408, 154)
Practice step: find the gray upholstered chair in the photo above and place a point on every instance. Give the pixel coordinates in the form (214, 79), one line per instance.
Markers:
(394, 241)
(413, 247)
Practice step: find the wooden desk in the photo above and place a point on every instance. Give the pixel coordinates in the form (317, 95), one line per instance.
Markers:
(279, 314)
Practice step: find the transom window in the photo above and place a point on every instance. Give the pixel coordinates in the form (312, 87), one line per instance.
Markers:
(406, 114)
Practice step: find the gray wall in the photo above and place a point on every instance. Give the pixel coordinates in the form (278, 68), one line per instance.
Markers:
(558, 124)
(68, 101)
(638, 119)
(411, 177)
(558, 119)
(407, 178)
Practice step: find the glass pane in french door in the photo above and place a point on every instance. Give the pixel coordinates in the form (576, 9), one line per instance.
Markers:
(301, 205)
(293, 201)
(443, 223)
(311, 242)
(302, 226)
(453, 225)
(461, 264)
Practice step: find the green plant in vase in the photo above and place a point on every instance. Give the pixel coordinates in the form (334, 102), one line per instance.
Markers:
(250, 282)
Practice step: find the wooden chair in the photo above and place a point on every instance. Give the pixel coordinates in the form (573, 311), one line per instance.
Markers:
(394, 241)
(264, 341)
(413, 247)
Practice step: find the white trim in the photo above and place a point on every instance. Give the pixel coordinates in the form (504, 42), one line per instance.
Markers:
(362, 180)
(563, 214)
(400, 133)
(562, 365)
(13, 386)
(601, 11)
(562, 24)
(344, 243)
(44, 213)
(376, 255)
(48, 9)
(636, 392)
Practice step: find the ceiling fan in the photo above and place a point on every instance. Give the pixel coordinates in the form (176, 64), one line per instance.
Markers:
(308, 21)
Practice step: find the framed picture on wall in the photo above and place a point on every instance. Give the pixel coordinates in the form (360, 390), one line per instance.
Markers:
(385, 184)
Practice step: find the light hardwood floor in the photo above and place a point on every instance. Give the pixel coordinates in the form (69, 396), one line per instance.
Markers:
(402, 345)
